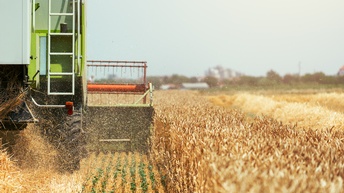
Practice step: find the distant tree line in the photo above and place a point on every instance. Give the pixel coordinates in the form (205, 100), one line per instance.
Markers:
(177, 80)
(272, 78)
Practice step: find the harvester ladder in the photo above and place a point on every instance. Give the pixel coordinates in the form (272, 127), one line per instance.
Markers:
(51, 44)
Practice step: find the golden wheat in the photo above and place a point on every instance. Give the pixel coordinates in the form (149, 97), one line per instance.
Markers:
(197, 146)
(10, 176)
(332, 101)
(213, 149)
(302, 114)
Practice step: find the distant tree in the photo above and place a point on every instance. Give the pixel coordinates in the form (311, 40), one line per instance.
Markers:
(329, 80)
(248, 80)
(315, 77)
(340, 79)
(273, 76)
(193, 79)
(228, 82)
(165, 79)
(307, 78)
(155, 80)
(178, 79)
(319, 77)
(211, 81)
(290, 79)
(266, 82)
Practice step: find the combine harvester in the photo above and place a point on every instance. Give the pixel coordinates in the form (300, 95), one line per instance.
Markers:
(43, 81)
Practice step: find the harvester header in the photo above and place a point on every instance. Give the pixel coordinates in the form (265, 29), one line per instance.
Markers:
(124, 79)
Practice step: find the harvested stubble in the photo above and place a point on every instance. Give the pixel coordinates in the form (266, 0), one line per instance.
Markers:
(333, 100)
(303, 114)
(204, 148)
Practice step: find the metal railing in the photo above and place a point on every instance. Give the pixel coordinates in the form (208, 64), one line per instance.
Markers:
(109, 78)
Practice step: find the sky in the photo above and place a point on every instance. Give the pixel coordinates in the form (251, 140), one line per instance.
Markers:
(187, 37)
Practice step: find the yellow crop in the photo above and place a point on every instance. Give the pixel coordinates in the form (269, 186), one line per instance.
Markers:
(242, 142)
(205, 148)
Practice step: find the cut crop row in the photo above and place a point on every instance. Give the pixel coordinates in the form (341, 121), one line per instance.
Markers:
(122, 172)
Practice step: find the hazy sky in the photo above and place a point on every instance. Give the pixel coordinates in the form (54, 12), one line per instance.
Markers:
(189, 36)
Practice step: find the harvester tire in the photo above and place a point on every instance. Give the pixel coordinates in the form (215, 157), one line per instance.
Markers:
(72, 142)
(65, 133)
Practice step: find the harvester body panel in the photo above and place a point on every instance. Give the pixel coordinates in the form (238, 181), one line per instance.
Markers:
(15, 17)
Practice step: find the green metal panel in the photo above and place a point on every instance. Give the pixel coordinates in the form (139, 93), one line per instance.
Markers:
(32, 67)
(83, 53)
(41, 29)
(35, 55)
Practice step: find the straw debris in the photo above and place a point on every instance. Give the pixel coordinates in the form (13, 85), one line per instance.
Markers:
(11, 92)
(33, 151)
(10, 176)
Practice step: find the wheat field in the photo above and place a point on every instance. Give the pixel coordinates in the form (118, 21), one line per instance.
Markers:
(248, 143)
(242, 142)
